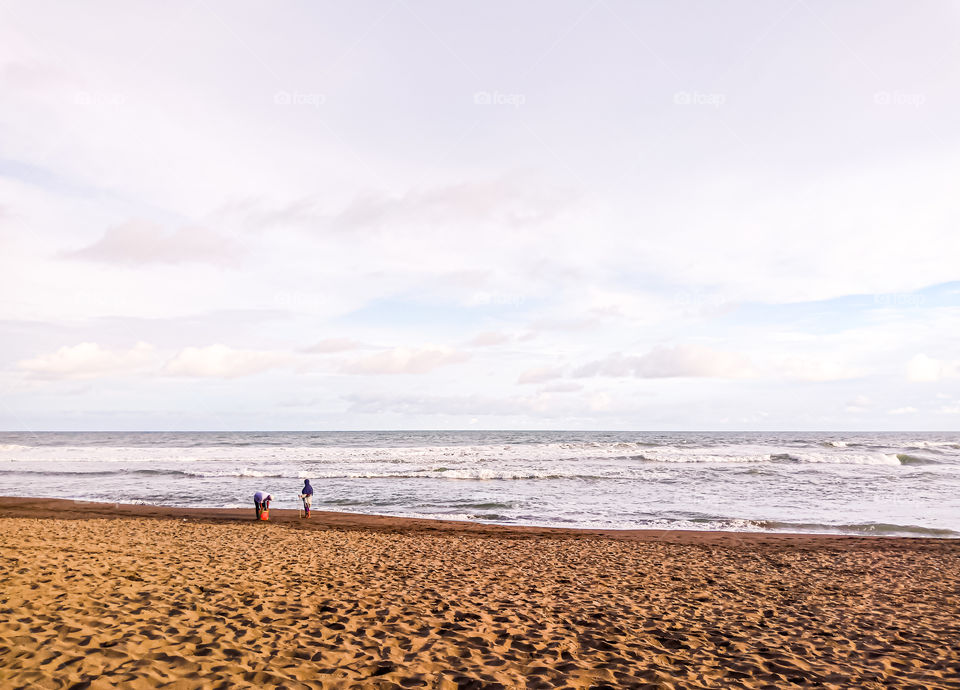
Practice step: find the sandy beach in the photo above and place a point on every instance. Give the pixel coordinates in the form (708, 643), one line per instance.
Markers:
(96, 595)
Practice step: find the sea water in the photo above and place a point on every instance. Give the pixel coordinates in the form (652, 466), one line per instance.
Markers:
(852, 483)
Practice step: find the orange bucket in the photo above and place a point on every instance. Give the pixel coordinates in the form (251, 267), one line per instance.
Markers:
(265, 515)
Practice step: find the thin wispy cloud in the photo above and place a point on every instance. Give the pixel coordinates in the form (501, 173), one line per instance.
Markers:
(142, 242)
(540, 375)
(671, 362)
(508, 203)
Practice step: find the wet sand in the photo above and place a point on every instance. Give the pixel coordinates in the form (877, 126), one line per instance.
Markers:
(100, 595)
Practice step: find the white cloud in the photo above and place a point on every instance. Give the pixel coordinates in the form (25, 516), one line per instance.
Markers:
(670, 362)
(903, 410)
(922, 369)
(600, 401)
(859, 404)
(87, 361)
(697, 361)
(403, 360)
(220, 361)
(540, 375)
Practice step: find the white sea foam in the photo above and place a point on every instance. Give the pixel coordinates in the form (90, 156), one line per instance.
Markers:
(464, 457)
(244, 472)
(703, 457)
(846, 458)
(932, 444)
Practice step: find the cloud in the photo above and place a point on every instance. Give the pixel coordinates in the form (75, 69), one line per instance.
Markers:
(599, 401)
(488, 338)
(139, 242)
(252, 213)
(923, 369)
(220, 361)
(697, 361)
(404, 360)
(903, 410)
(505, 201)
(88, 361)
(859, 404)
(540, 374)
(332, 345)
(669, 362)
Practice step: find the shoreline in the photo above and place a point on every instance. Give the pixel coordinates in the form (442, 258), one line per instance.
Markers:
(69, 509)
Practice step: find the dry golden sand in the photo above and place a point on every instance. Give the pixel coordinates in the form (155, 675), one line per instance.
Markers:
(146, 602)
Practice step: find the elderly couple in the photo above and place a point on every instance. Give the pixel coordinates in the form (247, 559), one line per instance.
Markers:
(261, 501)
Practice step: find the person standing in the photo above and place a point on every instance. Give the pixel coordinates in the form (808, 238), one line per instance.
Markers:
(261, 502)
(306, 496)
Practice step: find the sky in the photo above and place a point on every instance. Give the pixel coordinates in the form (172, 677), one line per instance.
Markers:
(586, 214)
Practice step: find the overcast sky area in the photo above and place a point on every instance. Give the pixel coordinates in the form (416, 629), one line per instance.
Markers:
(430, 215)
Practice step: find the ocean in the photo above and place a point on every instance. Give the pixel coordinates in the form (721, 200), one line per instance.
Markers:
(905, 484)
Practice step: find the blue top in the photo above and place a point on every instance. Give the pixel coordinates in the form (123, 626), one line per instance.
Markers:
(307, 489)
(258, 497)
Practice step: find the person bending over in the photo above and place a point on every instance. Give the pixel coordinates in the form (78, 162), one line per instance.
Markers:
(261, 502)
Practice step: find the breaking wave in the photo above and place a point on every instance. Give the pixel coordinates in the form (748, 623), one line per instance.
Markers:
(879, 529)
(906, 459)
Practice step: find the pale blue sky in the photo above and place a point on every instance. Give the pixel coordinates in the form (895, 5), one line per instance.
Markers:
(586, 214)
